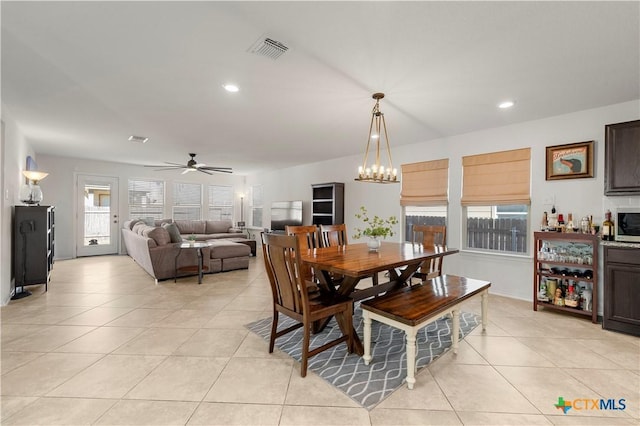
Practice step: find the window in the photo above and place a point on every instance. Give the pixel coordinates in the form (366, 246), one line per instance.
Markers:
(146, 199)
(425, 215)
(220, 202)
(187, 201)
(256, 206)
(496, 208)
(424, 194)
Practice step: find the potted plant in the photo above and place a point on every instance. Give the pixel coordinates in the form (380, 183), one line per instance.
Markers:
(375, 228)
(192, 239)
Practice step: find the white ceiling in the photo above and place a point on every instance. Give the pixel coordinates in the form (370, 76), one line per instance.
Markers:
(80, 77)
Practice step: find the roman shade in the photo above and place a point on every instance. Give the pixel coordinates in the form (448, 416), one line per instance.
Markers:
(425, 183)
(497, 178)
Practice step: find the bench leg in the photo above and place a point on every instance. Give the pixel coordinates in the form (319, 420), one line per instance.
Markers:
(367, 337)
(411, 358)
(455, 330)
(485, 306)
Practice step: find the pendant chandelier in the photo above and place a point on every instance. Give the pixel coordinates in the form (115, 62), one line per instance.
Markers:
(376, 172)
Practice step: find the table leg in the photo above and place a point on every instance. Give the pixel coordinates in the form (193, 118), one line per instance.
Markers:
(411, 357)
(367, 337)
(455, 330)
(199, 252)
(485, 307)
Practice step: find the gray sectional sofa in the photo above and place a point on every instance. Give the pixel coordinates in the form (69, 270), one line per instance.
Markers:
(153, 249)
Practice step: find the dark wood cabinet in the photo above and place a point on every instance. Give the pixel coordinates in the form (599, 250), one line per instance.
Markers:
(34, 245)
(621, 154)
(327, 203)
(566, 257)
(622, 289)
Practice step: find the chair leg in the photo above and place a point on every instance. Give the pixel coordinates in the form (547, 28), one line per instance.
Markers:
(274, 328)
(305, 349)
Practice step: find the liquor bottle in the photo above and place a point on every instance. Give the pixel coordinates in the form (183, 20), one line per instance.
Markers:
(607, 227)
(570, 224)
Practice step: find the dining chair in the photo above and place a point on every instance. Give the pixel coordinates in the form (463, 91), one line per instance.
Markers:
(283, 268)
(432, 237)
(308, 237)
(333, 235)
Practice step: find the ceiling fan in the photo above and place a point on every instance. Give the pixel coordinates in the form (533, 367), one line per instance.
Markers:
(193, 166)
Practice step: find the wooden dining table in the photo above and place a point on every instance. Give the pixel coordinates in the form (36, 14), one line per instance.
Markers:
(340, 268)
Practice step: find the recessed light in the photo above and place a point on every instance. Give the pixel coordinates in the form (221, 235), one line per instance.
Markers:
(231, 88)
(140, 139)
(506, 104)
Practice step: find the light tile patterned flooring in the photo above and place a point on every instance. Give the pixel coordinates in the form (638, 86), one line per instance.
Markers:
(107, 346)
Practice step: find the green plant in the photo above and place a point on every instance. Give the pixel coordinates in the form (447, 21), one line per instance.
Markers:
(376, 226)
(191, 237)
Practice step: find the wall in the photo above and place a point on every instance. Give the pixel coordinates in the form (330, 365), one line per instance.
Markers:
(14, 153)
(510, 275)
(59, 189)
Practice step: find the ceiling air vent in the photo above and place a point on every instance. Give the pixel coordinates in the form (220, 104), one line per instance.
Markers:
(268, 47)
(140, 139)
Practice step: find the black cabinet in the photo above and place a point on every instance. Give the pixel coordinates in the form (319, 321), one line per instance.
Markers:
(621, 153)
(34, 245)
(327, 203)
(622, 289)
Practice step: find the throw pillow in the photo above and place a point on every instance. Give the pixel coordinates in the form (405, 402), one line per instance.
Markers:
(149, 221)
(174, 232)
(159, 235)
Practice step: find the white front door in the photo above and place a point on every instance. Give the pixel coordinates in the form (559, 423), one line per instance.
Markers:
(97, 220)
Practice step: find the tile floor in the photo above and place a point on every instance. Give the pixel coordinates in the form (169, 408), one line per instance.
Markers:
(107, 346)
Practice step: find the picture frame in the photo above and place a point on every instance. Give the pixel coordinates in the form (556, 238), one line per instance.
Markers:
(570, 161)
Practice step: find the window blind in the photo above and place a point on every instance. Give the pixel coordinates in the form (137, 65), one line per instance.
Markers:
(146, 198)
(425, 183)
(497, 178)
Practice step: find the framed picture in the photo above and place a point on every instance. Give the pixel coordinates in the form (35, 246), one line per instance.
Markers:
(571, 161)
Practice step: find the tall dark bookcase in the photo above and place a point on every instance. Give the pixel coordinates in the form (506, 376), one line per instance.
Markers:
(327, 203)
(33, 245)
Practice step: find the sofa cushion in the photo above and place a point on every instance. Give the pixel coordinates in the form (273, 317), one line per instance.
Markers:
(217, 226)
(190, 226)
(131, 223)
(148, 221)
(223, 249)
(174, 232)
(159, 235)
(138, 227)
(160, 222)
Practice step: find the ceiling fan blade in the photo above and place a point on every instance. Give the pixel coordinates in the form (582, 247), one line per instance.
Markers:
(188, 170)
(165, 166)
(175, 164)
(204, 171)
(214, 168)
(198, 165)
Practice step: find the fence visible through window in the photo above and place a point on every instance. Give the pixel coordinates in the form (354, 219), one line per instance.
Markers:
(501, 234)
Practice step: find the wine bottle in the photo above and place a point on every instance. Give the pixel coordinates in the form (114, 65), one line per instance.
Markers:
(607, 227)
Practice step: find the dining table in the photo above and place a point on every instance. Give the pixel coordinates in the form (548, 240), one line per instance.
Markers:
(341, 268)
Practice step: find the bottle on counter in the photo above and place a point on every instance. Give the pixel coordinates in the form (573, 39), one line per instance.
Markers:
(608, 229)
(570, 225)
(585, 225)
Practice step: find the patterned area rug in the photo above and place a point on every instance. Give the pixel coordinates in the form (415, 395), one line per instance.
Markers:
(368, 385)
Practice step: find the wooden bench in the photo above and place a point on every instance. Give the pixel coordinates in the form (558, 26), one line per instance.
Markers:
(412, 308)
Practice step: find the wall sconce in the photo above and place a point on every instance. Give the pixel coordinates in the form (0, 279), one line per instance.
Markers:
(30, 193)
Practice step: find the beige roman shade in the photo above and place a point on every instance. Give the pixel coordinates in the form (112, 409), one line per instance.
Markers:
(425, 183)
(497, 178)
